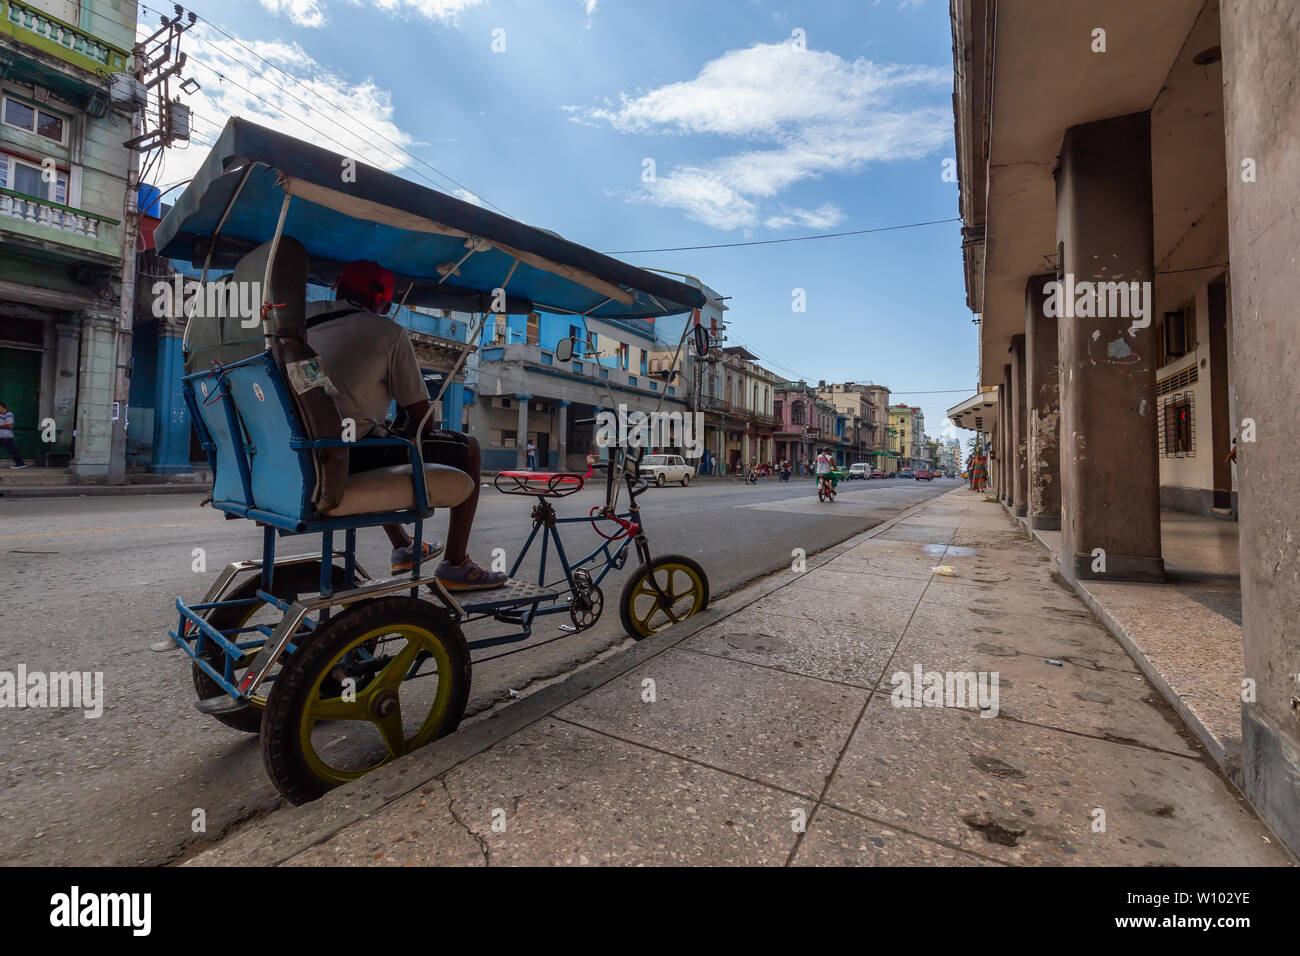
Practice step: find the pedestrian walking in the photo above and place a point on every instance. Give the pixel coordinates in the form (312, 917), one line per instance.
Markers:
(7, 436)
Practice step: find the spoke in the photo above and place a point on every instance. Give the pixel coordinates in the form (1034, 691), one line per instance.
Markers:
(336, 708)
(395, 671)
(391, 728)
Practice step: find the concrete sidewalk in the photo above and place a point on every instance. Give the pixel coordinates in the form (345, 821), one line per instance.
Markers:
(764, 732)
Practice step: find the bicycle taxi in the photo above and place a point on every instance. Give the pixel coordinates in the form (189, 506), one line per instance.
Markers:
(338, 671)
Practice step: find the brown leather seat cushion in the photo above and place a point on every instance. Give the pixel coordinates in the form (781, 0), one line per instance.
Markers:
(391, 489)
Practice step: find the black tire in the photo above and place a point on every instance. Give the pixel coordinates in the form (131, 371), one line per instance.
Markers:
(686, 480)
(291, 581)
(660, 480)
(286, 761)
(631, 587)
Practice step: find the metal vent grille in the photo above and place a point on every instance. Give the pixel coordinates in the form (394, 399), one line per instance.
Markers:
(1177, 381)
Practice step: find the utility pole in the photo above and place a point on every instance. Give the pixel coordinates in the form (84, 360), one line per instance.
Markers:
(149, 58)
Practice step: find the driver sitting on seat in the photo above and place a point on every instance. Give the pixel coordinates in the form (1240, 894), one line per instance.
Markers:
(372, 363)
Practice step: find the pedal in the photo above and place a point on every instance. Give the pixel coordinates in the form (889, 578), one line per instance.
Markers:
(221, 704)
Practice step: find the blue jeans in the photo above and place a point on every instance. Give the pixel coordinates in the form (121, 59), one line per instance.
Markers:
(532, 461)
(10, 446)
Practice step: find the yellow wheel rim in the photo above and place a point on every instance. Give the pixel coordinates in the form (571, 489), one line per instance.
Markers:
(684, 589)
(379, 701)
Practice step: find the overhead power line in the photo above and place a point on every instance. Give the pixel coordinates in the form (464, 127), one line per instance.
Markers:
(771, 242)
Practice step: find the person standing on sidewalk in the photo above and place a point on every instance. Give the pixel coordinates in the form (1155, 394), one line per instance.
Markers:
(7, 436)
(532, 455)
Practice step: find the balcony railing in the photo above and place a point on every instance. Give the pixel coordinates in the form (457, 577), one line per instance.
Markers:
(15, 205)
(709, 403)
(65, 41)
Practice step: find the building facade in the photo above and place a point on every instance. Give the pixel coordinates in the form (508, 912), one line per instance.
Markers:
(522, 392)
(63, 180)
(1130, 218)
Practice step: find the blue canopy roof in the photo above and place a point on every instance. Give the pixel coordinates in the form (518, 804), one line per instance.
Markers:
(452, 254)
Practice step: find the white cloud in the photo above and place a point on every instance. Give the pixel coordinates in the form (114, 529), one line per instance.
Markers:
(311, 13)
(305, 13)
(805, 113)
(444, 11)
(824, 216)
(468, 196)
(273, 100)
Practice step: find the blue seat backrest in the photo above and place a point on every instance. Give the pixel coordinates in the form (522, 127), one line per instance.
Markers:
(210, 409)
(266, 425)
(281, 476)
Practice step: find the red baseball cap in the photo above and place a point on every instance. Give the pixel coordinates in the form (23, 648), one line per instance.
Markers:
(368, 281)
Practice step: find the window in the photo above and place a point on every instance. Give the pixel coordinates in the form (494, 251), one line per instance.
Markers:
(1176, 438)
(797, 415)
(507, 439)
(24, 116)
(622, 356)
(1177, 335)
(499, 330)
(30, 180)
(531, 333)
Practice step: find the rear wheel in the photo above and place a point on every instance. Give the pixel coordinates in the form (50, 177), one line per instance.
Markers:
(290, 582)
(684, 584)
(686, 480)
(382, 679)
(660, 480)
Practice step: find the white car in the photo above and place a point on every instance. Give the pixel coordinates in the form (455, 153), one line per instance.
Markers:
(662, 469)
(859, 470)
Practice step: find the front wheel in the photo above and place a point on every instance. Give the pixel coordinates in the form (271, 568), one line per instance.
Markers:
(685, 587)
(378, 681)
(686, 480)
(660, 480)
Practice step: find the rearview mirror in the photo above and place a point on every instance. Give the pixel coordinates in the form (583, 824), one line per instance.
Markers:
(701, 341)
(564, 351)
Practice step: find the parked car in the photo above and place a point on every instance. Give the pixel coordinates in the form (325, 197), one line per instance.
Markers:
(876, 473)
(662, 469)
(860, 470)
(924, 475)
(907, 473)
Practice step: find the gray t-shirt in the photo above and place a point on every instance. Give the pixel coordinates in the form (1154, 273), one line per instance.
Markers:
(371, 362)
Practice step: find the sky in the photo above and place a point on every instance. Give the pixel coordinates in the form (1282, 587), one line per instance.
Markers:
(630, 125)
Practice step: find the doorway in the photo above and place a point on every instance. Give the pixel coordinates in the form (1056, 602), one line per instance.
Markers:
(20, 384)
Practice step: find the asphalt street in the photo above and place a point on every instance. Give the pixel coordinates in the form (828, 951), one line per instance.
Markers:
(90, 584)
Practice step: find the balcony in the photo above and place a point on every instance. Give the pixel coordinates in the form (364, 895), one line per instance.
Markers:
(721, 406)
(44, 32)
(44, 222)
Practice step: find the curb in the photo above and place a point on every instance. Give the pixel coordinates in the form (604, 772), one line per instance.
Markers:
(289, 831)
(103, 491)
(1212, 745)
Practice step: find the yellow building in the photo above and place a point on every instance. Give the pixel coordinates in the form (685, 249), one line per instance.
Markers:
(900, 437)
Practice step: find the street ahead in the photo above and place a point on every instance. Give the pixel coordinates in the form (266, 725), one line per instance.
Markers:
(90, 584)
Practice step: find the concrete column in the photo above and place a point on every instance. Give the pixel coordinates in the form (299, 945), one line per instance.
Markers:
(563, 423)
(521, 431)
(67, 352)
(1261, 47)
(95, 388)
(1019, 433)
(171, 420)
(995, 464)
(1043, 401)
(1005, 440)
(1110, 476)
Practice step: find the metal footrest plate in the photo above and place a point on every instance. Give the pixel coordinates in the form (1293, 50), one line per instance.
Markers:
(513, 593)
